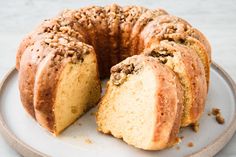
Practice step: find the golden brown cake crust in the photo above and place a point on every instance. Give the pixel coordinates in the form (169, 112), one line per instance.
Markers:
(169, 98)
(195, 33)
(113, 14)
(196, 73)
(26, 82)
(45, 89)
(23, 45)
(30, 59)
(129, 16)
(205, 57)
(143, 20)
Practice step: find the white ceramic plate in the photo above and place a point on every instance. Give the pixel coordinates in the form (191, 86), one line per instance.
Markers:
(81, 139)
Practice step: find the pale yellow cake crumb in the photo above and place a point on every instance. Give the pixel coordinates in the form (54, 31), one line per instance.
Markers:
(88, 141)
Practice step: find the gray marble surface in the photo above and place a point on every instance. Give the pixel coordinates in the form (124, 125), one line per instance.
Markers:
(215, 18)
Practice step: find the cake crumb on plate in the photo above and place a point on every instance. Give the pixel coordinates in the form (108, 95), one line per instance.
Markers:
(209, 113)
(177, 147)
(195, 127)
(88, 141)
(190, 144)
(218, 117)
(215, 111)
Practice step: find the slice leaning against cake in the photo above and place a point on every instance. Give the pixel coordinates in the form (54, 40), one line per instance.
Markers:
(190, 70)
(142, 104)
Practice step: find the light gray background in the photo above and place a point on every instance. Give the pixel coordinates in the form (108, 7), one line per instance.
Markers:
(215, 18)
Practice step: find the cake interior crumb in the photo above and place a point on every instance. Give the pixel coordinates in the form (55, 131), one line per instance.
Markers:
(220, 119)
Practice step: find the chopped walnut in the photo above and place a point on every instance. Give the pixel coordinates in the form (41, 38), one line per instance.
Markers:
(121, 71)
(63, 36)
(124, 68)
(118, 78)
(128, 69)
(161, 53)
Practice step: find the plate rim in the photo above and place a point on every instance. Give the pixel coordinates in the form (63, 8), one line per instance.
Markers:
(210, 150)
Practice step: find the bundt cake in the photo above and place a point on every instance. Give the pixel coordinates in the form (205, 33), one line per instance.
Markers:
(142, 104)
(61, 63)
